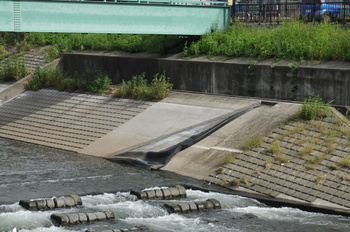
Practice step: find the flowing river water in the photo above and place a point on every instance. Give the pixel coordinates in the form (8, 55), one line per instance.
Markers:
(30, 172)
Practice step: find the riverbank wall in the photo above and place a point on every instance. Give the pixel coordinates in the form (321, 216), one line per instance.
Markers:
(280, 80)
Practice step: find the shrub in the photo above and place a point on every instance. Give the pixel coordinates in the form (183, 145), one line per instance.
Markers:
(160, 86)
(51, 53)
(314, 107)
(37, 81)
(101, 84)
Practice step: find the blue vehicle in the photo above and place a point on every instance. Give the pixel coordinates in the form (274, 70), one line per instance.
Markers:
(318, 10)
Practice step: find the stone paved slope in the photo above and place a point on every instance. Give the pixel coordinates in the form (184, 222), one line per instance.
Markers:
(64, 120)
(298, 161)
(33, 59)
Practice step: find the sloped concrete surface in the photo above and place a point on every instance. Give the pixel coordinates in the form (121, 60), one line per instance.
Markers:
(64, 120)
(204, 157)
(314, 177)
(177, 113)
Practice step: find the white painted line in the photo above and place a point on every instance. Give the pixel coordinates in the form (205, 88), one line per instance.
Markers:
(219, 148)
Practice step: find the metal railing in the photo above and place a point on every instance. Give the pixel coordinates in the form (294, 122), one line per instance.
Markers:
(172, 2)
(275, 11)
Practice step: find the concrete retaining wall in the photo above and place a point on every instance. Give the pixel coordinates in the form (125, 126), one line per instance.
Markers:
(282, 80)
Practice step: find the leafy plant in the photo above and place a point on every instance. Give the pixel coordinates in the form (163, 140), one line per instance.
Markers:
(101, 84)
(36, 82)
(161, 86)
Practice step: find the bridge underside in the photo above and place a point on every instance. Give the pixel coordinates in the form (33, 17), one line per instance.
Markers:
(172, 18)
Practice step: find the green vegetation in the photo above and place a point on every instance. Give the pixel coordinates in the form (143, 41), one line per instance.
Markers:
(139, 88)
(228, 158)
(345, 162)
(334, 167)
(219, 171)
(314, 107)
(275, 148)
(55, 43)
(307, 149)
(13, 70)
(253, 142)
(234, 183)
(292, 40)
(54, 78)
(319, 179)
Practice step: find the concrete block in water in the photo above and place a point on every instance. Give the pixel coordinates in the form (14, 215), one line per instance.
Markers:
(165, 193)
(139, 194)
(52, 203)
(77, 218)
(182, 190)
(209, 204)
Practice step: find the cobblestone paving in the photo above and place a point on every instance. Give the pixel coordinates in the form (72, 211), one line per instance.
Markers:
(64, 120)
(306, 166)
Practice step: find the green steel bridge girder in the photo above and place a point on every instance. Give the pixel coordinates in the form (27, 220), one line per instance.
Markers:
(127, 17)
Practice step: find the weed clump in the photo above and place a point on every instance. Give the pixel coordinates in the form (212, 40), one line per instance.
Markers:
(314, 107)
(54, 78)
(253, 142)
(13, 70)
(139, 89)
(345, 162)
